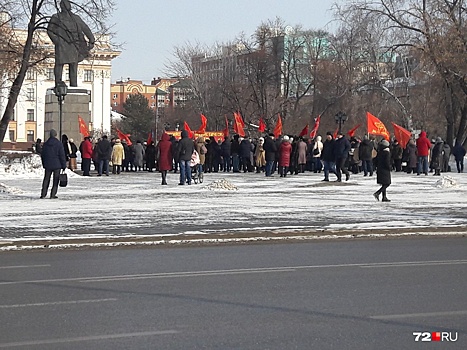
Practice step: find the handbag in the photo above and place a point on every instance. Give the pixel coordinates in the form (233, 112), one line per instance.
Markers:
(63, 179)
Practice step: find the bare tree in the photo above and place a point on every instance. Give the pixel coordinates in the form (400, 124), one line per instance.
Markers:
(28, 50)
(437, 30)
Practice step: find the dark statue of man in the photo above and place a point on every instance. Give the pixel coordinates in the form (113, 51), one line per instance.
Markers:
(68, 31)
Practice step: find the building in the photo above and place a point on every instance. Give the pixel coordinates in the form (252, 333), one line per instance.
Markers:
(94, 75)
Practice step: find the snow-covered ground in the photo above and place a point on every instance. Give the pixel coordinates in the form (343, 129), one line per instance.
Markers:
(135, 204)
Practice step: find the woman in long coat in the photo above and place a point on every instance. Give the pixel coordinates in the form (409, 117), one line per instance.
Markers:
(118, 155)
(260, 155)
(285, 150)
(200, 147)
(383, 171)
(165, 156)
(302, 149)
(412, 157)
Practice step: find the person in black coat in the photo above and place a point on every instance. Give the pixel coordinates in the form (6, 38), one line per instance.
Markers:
(327, 156)
(53, 160)
(341, 153)
(270, 149)
(150, 156)
(185, 150)
(104, 153)
(383, 170)
(245, 149)
(235, 151)
(365, 154)
(459, 153)
(226, 152)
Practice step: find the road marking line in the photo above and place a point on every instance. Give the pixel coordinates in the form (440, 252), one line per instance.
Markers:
(234, 271)
(409, 264)
(23, 266)
(426, 314)
(89, 338)
(58, 303)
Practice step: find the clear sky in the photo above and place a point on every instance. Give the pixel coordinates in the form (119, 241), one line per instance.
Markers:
(149, 29)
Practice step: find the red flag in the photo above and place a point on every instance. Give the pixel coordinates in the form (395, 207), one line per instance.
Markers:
(83, 128)
(262, 125)
(376, 127)
(402, 135)
(187, 128)
(150, 138)
(226, 130)
(335, 133)
(315, 128)
(351, 133)
(278, 127)
(204, 123)
(304, 131)
(125, 137)
(238, 124)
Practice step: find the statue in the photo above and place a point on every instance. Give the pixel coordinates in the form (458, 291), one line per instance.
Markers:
(68, 31)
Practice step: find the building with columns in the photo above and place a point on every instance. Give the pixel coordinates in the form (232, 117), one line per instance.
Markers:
(29, 119)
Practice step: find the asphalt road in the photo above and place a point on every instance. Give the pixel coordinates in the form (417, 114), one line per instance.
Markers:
(362, 294)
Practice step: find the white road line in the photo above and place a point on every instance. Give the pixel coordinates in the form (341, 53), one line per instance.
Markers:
(23, 266)
(426, 314)
(89, 338)
(234, 271)
(58, 303)
(428, 263)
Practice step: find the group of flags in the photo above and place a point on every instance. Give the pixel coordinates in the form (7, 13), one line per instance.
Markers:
(374, 127)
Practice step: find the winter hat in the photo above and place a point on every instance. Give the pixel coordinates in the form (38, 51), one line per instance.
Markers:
(285, 138)
(261, 139)
(71, 140)
(439, 140)
(53, 133)
(385, 143)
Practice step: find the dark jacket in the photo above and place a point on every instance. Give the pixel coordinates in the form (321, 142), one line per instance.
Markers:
(186, 146)
(365, 149)
(341, 148)
(458, 152)
(245, 148)
(327, 154)
(225, 148)
(383, 171)
(53, 155)
(270, 149)
(104, 149)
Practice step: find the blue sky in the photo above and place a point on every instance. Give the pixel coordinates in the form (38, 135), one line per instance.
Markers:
(149, 29)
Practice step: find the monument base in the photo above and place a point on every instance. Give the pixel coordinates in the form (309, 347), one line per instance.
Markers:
(76, 103)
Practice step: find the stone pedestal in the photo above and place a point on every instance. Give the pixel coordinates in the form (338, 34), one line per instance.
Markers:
(76, 103)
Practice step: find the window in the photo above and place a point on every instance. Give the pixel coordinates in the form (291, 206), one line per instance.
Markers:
(49, 73)
(30, 136)
(30, 74)
(30, 94)
(12, 136)
(88, 75)
(30, 115)
(115, 96)
(115, 104)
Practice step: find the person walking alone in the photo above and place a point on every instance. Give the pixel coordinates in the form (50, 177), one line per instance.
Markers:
(53, 160)
(383, 170)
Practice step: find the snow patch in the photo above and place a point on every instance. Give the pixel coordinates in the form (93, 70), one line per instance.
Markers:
(8, 189)
(23, 163)
(222, 184)
(446, 182)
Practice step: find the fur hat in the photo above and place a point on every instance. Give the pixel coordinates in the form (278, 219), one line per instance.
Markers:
(385, 143)
(285, 138)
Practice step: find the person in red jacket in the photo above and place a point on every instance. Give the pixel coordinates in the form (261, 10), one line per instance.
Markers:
(86, 155)
(164, 156)
(285, 150)
(423, 150)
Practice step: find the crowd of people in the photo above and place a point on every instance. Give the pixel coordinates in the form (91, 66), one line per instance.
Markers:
(285, 155)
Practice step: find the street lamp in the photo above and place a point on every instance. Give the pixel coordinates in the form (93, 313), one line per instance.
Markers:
(60, 91)
(340, 118)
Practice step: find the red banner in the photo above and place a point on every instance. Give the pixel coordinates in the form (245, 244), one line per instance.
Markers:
(83, 128)
(304, 131)
(402, 135)
(125, 137)
(315, 127)
(204, 123)
(376, 126)
(278, 127)
(239, 124)
(262, 125)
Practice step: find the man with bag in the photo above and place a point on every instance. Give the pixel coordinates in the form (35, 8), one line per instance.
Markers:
(53, 160)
